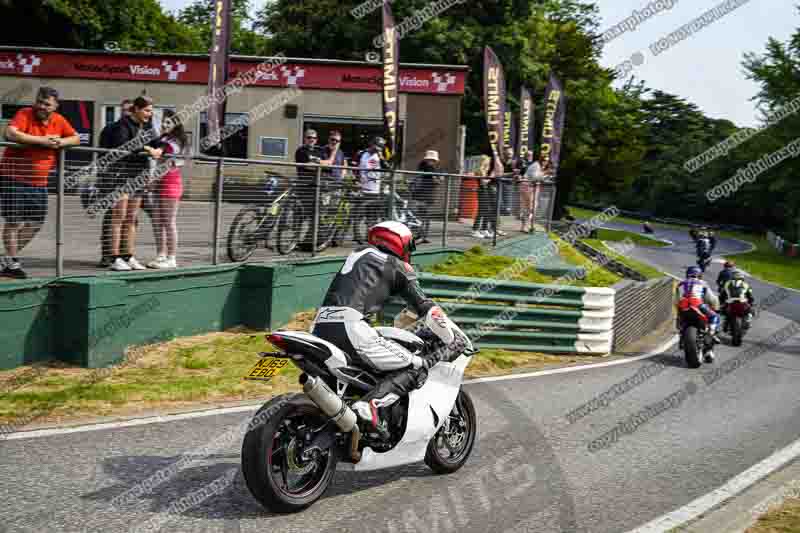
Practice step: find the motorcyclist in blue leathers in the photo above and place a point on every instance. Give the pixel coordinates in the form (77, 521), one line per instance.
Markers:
(694, 291)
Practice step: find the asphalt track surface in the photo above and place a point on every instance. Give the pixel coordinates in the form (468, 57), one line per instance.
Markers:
(657, 441)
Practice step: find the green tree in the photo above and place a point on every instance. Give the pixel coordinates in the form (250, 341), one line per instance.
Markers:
(133, 25)
(777, 71)
(244, 39)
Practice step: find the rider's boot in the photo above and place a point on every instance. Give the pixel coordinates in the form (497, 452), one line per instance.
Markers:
(385, 394)
(715, 330)
(367, 411)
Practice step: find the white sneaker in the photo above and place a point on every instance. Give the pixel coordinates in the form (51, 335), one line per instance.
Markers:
(487, 234)
(171, 262)
(501, 233)
(478, 234)
(157, 262)
(135, 265)
(120, 265)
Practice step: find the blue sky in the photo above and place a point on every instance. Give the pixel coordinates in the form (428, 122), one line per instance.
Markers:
(706, 67)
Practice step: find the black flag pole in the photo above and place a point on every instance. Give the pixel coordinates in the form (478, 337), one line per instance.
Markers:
(390, 53)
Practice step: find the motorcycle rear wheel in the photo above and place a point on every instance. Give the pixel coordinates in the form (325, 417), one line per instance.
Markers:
(736, 331)
(457, 441)
(690, 347)
(271, 453)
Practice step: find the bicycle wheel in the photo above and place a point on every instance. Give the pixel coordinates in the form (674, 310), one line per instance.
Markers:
(290, 228)
(329, 218)
(243, 235)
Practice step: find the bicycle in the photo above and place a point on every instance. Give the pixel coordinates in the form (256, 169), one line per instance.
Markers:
(402, 212)
(334, 217)
(255, 222)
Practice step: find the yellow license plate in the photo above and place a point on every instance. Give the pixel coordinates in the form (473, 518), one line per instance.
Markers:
(266, 368)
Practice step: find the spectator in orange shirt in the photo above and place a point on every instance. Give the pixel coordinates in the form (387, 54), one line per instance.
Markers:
(24, 172)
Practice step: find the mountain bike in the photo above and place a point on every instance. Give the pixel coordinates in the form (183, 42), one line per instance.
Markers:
(255, 222)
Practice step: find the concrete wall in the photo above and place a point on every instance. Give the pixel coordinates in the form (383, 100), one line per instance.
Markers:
(641, 309)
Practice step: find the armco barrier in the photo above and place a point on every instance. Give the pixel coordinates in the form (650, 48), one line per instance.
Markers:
(544, 318)
(641, 308)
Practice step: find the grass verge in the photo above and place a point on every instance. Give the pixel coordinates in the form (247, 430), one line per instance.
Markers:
(643, 268)
(619, 235)
(783, 519)
(581, 213)
(203, 370)
(765, 262)
(476, 263)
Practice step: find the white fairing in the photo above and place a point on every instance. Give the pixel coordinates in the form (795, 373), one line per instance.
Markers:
(439, 393)
(337, 358)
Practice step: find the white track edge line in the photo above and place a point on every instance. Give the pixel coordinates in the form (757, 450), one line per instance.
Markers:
(727, 491)
(160, 419)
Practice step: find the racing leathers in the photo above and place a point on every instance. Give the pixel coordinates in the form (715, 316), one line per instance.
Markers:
(724, 275)
(693, 292)
(705, 246)
(368, 279)
(736, 290)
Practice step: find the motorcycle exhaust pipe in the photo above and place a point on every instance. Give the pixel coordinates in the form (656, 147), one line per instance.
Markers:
(329, 403)
(333, 406)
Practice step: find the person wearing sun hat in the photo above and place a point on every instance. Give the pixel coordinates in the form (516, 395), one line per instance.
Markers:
(422, 191)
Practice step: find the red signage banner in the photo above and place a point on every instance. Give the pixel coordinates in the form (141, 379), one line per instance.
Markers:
(195, 71)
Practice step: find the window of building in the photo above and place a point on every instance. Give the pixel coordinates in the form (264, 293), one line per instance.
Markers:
(356, 133)
(236, 143)
(274, 147)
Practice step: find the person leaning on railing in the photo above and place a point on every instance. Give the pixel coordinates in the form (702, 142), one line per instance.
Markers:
(168, 192)
(24, 172)
(124, 175)
(485, 224)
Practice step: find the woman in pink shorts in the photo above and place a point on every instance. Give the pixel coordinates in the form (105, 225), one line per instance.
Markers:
(168, 192)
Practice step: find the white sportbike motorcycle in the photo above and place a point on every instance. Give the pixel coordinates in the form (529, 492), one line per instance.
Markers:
(295, 441)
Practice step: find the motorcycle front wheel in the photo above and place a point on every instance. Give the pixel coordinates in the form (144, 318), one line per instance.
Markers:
(276, 471)
(451, 446)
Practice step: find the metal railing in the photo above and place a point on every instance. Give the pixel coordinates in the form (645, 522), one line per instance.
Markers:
(229, 210)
